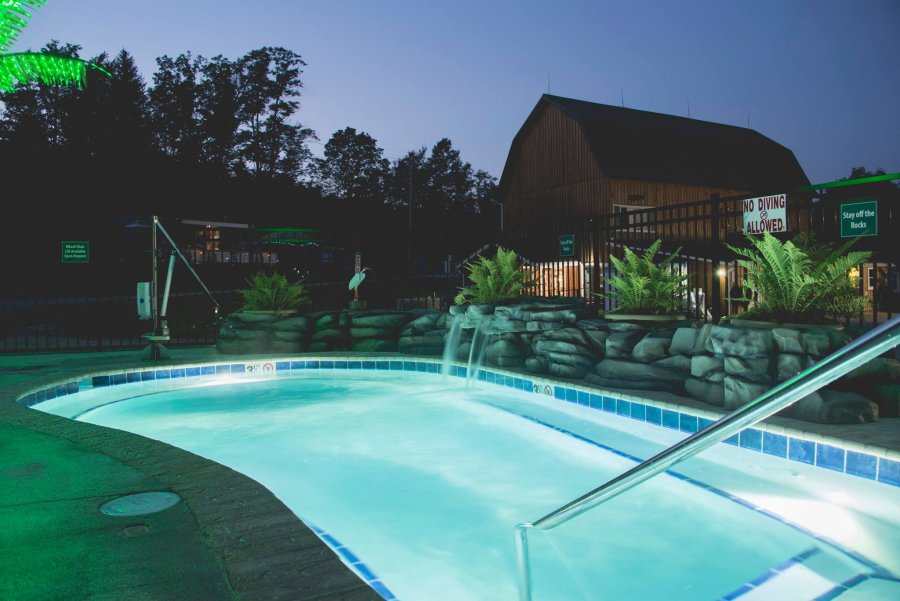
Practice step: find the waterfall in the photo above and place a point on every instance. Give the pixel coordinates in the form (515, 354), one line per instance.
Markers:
(452, 343)
(477, 350)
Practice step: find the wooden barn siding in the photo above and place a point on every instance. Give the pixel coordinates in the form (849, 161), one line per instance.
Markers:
(554, 176)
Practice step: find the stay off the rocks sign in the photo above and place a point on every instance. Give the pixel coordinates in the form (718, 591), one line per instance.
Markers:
(765, 214)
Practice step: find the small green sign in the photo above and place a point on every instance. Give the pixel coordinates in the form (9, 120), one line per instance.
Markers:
(567, 245)
(76, 251)
(859, 219)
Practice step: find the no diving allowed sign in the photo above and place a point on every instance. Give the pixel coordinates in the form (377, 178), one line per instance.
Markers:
(259, 369)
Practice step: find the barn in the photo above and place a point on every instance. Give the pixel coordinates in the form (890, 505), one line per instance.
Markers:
(574, 159)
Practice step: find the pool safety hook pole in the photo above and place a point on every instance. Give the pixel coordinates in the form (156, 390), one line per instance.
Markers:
(175, 250)
(523, 561)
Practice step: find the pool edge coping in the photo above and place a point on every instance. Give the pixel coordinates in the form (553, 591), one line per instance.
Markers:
(559, 390)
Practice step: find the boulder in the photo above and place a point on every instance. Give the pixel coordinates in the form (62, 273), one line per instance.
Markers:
(374, 345)
(877, 370)
(702, 340)
(833, 407)
(507, 325)
(360, 332)
(557, 346)
(389, 320)
(254, 335)
(707, 366)
(789, 365)
(537, 365)
(567, 371)
(741, 342)
(683, 341)
(820, 342)
(677, 362)
(653, 347)
(504, 348)
(287, 336)
(788, 340)
(712, 393)
(739, 392)
(327, 334)
(326, 321)
(255, 317)
(753, 370)
(637, 372)
(620, 344)
(420, 345)
(887, 397)
(541, 326)
(286, 346)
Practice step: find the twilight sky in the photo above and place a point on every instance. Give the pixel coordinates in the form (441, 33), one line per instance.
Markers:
(821, 77)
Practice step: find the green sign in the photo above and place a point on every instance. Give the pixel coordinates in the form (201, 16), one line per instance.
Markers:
(567, 245)
(859, 219)
(76, 251)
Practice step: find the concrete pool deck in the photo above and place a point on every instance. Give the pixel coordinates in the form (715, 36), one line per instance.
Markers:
(229, 539)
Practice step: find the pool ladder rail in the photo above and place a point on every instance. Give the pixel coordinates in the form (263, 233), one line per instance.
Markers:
(872, 344)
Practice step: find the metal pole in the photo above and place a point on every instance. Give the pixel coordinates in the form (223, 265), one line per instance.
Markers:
(523, 561)
(154, 344)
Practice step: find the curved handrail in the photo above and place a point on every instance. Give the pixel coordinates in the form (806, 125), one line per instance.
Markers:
(825, 371)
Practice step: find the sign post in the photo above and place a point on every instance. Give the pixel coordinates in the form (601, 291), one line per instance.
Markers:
(76, 251)
(567, 245)
(859, 218)
(765, 214)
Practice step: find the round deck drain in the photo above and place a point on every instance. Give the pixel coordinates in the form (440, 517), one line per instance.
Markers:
(140, 503)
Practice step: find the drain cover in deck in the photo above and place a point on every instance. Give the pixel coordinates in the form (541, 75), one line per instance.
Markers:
(140, 503)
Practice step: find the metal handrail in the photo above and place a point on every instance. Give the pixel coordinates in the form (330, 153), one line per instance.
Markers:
(832, 367)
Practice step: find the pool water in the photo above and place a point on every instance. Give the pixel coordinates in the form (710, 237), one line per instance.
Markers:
(424, 480)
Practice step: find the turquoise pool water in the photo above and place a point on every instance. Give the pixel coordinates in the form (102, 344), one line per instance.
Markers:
(424, 480)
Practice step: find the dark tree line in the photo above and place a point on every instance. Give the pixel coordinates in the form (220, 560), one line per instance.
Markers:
(220, 138)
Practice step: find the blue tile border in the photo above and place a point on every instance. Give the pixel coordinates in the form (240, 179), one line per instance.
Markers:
(868, 466)
(355, 563)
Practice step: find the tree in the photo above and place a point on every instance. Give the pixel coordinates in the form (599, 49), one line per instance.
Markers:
(268, 88)
(407, 177)
(125, 129)
(174, 111)
(218, 114)
(354, 168)
(450, 180)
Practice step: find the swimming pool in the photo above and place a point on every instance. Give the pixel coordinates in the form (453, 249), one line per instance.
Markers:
(419, 482)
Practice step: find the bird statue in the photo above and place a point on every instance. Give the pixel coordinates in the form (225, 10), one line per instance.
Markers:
(356, 280)
(24, 67)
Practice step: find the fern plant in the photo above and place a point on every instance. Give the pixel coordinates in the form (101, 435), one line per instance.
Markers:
(801, 281)
(495, 280)
(645, 287)
(273, 293)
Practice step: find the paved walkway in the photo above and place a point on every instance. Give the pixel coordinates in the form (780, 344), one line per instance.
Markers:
(229, 539)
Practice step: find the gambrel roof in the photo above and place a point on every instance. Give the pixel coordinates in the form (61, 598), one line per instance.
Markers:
(641, 145)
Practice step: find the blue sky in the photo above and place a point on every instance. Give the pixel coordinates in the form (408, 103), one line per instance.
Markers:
(821, 77)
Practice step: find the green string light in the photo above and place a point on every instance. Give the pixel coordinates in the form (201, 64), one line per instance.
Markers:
(13, 19)
(49, 69)
(24, 67)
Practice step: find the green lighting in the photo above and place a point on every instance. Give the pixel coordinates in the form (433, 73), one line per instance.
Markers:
(853, 182)
(24, 67)
(13, 19)
(49, 69)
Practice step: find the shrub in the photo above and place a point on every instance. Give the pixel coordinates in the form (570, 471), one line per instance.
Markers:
(273, 293)
(495, 280)
(645, 287)
(800, 280)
